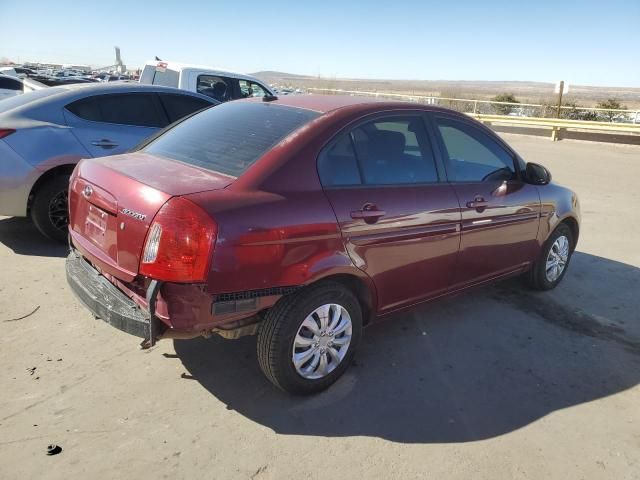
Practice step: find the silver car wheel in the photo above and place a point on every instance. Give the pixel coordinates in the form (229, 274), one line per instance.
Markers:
(322, 341)
(557, 258)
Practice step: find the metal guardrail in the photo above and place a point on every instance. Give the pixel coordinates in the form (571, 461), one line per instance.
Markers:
(559, 125)
(490, 107)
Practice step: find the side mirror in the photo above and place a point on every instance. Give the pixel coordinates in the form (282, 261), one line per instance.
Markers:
(537, 174)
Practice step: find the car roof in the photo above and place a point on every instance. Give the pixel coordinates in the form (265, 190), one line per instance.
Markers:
(212, 70)
(123, 86)
(327, 103)
(61, 95)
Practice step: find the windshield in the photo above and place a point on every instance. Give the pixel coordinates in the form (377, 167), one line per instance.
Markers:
(230, 137)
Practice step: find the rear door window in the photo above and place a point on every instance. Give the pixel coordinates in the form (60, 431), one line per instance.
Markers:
(229, 138)
(139, 109)
(179, 106)
(220, 88)
(389, 151)
(337, 164)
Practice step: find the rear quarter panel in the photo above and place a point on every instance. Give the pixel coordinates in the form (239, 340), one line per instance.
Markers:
(45, 146)
(270, 240)
(17, 177)
(26, 155)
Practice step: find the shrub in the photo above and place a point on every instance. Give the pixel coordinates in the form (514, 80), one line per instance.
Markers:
(613, 104)
(573, 113)
(504, 109)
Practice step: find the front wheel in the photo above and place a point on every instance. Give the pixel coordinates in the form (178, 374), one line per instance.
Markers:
(308, 339)
(552, 265)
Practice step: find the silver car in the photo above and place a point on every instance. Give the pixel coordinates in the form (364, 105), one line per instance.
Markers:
(43, 134)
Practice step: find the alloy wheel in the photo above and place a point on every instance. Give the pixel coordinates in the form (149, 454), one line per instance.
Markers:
(58, 214)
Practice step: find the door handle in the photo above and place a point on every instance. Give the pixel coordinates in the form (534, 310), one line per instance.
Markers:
(369, 213)
(478, 203)
(104, 143)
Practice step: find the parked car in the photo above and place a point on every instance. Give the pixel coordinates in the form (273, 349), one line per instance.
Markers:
(304, 219)
(53, 81)
(102, 77)
(24, 71)
(117, 78)
(9, 72)
(218, 84)
(43, 134)
(12, 86)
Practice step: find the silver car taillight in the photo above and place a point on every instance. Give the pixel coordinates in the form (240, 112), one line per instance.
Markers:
(153, 242)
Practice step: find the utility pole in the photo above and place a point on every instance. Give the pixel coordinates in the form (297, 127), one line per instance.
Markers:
(560, 98)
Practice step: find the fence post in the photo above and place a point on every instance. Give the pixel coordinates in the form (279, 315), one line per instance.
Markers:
(635, 119)
(560, 98)
(475, 106)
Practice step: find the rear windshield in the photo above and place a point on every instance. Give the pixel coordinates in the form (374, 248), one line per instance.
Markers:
(230, 137)
(166, 78)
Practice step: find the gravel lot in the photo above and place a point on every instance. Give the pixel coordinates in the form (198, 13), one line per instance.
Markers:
(498, 383)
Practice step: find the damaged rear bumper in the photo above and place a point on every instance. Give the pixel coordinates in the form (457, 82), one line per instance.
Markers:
(110, 304)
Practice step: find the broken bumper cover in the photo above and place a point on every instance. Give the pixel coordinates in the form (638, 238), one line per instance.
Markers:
(105, 300)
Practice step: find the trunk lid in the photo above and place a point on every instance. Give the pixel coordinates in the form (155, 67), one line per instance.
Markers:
(112, 203)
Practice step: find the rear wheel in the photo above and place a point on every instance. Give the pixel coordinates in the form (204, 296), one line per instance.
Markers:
(50, 208)
(552, 265)
(308, 339)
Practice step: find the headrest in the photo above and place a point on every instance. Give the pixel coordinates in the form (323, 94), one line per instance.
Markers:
(385, 143)
(219, 88)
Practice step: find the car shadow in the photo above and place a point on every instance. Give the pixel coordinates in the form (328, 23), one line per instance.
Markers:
(21, 236)
(471, 367)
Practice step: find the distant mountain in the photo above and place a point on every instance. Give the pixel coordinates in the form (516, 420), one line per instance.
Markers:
(279, 75)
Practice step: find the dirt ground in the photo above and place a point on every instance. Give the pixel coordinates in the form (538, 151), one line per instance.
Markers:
(498, 383)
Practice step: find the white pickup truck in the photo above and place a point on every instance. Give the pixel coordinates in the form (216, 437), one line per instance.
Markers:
(218, 84)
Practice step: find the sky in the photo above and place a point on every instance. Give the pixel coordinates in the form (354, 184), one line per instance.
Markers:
(582, 42)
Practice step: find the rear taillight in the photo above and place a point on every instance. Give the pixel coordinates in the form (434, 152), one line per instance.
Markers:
(5, 132)
(179, 244)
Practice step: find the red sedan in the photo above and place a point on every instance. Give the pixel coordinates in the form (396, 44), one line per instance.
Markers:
(304, 219)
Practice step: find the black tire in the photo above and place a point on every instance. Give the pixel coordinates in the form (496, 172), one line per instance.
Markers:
(537, 277)
(49, 208)
(280, 326)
